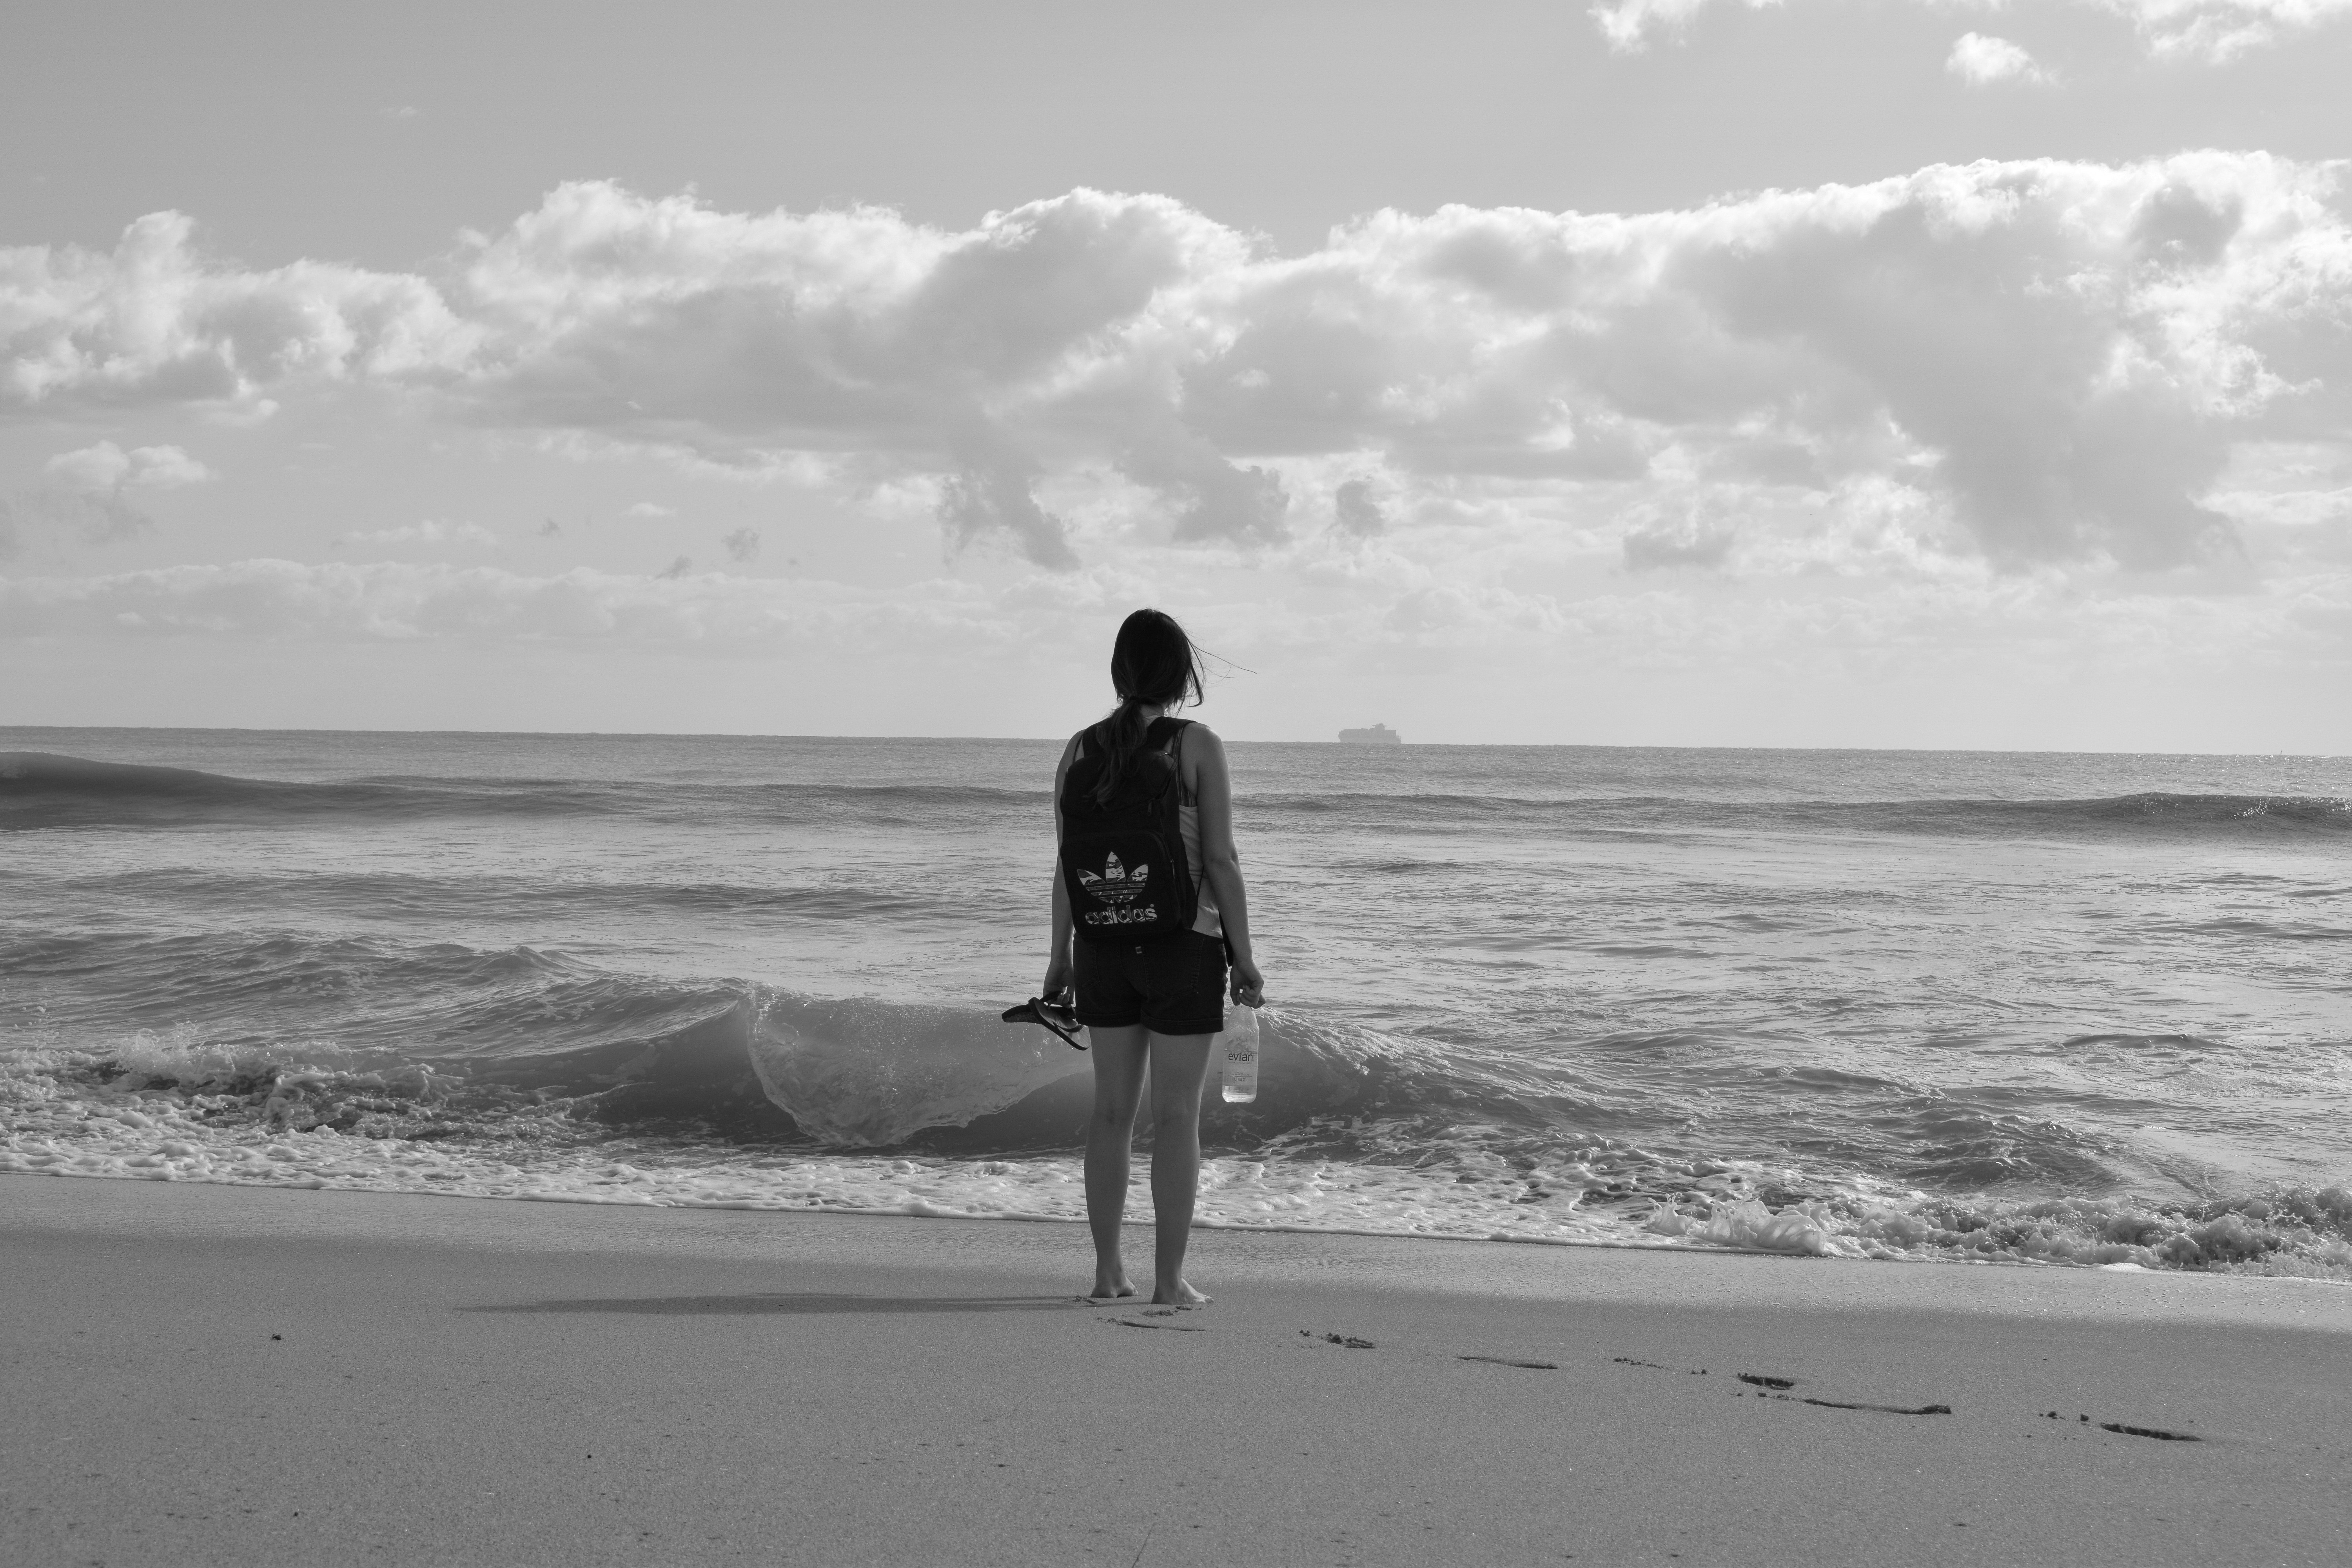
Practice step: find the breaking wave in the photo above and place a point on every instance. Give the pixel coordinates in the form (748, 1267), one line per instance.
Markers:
(45, 790)
(454, 980)
(535, 1077)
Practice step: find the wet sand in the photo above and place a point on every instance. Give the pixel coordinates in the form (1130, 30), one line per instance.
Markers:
(201, 1374)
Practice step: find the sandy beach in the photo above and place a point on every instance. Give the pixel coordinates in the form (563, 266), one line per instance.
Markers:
(220, 1374)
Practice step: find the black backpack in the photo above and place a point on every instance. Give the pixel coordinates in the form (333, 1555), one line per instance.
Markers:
(1123, 863)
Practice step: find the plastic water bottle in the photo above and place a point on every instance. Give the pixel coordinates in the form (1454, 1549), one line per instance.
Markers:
(1238, 1046)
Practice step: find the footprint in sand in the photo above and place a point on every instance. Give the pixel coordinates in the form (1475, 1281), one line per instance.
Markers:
(1508, 1360)
(2123, 1429)
(1889, 1409)
(1774, 1387)
(1352, 1343)
(1139, 1323)
(1777, 1384)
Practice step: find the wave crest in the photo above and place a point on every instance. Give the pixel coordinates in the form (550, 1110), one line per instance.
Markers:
(41, 789)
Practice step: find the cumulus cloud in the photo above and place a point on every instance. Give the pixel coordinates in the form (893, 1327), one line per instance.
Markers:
(107, 466)
(1356, 511)
(2217, 31)
(742, 546)
(992, 494)
(2208, 30)
(87, 495)
(1630, 24)
(1215, 498)
(2061, 356)
(154, 322)
(385, 600)
(648, 509)
(741, 338)
(1684, 538)
(96, 518)
(427, 533)
(1980, 60)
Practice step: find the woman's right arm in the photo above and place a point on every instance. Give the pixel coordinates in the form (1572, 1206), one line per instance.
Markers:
(1057, 966)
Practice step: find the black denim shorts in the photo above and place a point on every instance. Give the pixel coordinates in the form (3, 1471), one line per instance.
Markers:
(1169, 987)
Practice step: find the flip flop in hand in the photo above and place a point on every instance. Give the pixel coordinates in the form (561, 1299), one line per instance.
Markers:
(1056, 1017)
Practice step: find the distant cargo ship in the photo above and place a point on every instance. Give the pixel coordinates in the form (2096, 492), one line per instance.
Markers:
(1377, 735)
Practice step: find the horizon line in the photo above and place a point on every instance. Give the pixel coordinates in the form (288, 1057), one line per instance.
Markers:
(1049, 739)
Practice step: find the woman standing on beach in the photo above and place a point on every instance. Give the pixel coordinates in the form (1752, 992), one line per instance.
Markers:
(1150, 957)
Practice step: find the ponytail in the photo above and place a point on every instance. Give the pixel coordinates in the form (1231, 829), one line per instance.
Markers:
(1152, 665)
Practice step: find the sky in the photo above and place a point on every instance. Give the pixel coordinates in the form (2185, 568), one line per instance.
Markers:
(1827, 373)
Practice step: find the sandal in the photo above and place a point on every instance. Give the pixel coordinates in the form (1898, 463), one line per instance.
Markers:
(1056, 1017)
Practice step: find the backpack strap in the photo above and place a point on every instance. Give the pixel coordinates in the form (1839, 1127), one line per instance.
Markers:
(1174, 752)
(1174, 747)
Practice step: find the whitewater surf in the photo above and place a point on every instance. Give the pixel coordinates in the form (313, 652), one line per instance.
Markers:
(2040, 1009)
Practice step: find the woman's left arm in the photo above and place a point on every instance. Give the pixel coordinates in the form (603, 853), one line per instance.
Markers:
(1058, 968)
(1221, 862)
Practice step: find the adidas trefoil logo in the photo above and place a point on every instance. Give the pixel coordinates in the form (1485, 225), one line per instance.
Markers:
(1117, 885)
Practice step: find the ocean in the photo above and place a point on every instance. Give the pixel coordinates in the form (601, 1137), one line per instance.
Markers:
(2086, 1010)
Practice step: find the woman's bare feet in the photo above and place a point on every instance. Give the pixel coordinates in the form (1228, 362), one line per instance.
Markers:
(1111, 1285)
(1181, 1294)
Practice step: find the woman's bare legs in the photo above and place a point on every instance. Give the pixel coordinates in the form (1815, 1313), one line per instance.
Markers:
(1119, 1058)
(1179, 1065)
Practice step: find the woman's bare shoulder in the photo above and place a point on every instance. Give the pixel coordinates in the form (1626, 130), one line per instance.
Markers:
(1201, 748)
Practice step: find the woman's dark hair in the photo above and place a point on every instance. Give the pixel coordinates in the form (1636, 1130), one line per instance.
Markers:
(1152, 665)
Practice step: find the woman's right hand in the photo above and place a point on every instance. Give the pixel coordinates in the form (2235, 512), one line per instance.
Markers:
(1057, 977)
(1248, 985)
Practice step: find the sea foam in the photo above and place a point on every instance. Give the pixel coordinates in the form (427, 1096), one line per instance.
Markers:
(75, 1113)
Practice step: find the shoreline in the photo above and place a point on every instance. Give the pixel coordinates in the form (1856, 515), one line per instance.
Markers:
(1201, 1226)
(584, 1382)
(1463, 1273)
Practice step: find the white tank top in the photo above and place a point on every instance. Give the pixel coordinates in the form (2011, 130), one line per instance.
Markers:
(1188, 822)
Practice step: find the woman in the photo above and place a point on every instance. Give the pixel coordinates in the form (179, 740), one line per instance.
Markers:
(1151, 997)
